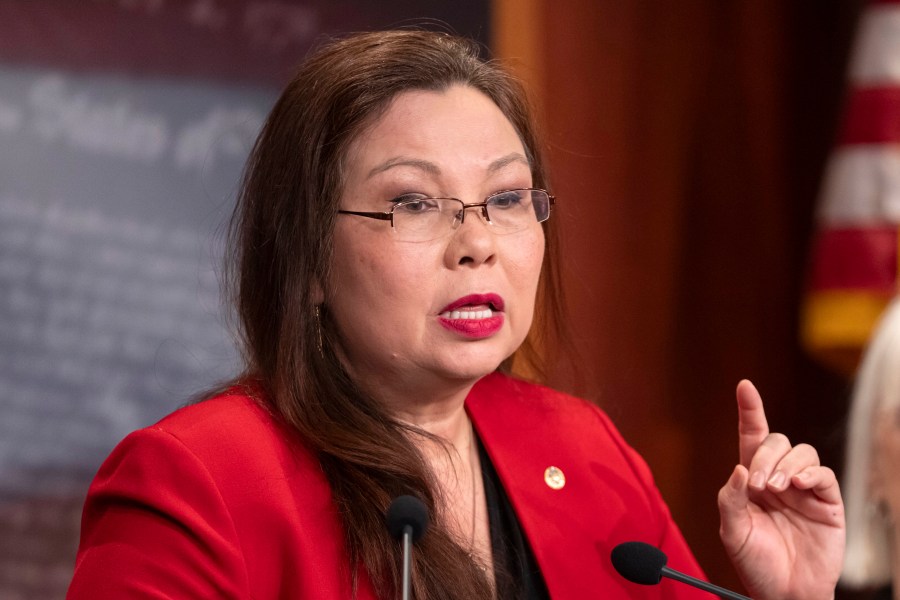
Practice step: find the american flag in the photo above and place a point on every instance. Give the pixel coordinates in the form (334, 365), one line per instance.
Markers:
(854, 265)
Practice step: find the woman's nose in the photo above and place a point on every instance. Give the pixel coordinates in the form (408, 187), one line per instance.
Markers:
(473, 242)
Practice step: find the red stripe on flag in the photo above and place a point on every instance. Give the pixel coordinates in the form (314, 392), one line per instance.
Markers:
(858, 259)
(872, 116)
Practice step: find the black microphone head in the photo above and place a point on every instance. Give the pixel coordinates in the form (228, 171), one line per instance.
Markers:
(639, 562)
(407, 510)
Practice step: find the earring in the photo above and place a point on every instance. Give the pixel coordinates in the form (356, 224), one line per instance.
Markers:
(878, 510)
(319, 331)
(884, 510)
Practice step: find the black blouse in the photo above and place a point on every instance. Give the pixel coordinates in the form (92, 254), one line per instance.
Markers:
(516, 572)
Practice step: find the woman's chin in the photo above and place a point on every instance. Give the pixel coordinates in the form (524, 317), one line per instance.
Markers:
(473, 366)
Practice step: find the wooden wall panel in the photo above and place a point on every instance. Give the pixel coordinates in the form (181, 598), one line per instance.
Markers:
(686, 142)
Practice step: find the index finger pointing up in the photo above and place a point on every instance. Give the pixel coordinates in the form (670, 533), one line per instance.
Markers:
(752, 425)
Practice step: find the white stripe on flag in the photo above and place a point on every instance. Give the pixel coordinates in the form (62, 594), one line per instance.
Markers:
(861, 186)
(876, 56)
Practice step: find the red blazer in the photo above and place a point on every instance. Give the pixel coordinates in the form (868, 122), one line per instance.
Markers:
(214, 501)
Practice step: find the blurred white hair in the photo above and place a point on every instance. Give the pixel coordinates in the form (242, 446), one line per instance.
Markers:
(877, 389)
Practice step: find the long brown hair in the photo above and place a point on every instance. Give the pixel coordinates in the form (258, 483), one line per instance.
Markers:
(280, 249)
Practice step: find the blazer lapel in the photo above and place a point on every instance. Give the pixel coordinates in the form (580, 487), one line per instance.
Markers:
(536, 472)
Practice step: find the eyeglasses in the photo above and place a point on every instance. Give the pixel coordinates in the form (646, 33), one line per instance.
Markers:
(422, 219)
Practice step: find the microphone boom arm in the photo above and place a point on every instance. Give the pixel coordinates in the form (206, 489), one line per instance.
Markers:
(703, 585)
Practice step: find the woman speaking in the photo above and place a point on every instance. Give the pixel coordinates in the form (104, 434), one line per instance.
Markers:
(392, 252)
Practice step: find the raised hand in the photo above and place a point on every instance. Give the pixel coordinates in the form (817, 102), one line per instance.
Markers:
(782, 517)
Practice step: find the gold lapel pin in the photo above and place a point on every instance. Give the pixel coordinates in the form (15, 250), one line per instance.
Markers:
(554, 478)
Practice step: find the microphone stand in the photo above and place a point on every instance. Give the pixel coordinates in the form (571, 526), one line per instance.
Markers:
(407, 552)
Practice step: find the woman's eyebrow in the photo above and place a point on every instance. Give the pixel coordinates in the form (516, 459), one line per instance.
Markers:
(507, 160)
(402, 161)
(433, 169)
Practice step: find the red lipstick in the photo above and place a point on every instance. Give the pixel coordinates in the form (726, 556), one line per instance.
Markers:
(495, 301)
(475, 316)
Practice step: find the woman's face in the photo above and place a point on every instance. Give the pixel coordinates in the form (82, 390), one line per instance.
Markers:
(394, 302)
(886, 459)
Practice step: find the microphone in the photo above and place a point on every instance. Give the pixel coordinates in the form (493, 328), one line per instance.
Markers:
(407, 520)
(645, 564)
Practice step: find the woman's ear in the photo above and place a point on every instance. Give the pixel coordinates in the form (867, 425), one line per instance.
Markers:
(877, 492)
(318, 293)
